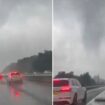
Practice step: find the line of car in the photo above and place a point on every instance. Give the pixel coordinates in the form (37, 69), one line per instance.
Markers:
(12, 77)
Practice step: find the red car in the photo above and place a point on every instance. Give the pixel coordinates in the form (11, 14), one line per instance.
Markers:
(15, 77)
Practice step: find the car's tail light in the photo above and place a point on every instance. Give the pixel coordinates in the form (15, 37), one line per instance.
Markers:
(66, 89)
(10, 76)
(1, 76)
(56, 81)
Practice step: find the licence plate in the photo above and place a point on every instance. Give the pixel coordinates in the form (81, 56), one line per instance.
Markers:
(16, 78)
(56, 93)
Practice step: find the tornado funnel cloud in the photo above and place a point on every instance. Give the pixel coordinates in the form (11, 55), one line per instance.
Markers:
(93, 24)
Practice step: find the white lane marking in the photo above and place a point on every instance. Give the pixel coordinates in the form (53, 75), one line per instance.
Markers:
(94, 98)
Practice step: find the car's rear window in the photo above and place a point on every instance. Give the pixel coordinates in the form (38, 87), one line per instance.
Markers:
(59, 83)
(15, 74)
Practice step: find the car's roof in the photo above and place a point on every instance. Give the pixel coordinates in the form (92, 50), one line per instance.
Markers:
(14, 73)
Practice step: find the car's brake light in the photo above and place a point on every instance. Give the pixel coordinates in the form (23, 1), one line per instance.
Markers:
(66, 89)
(1, 76)
(9, 75)
(56, 81)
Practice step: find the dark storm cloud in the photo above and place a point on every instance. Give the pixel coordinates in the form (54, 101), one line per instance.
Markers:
(91, 13)
(5, 9)
(25, 29)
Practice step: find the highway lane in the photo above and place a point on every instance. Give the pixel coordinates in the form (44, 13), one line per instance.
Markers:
(98, 100)
(40, 91)
(28, 93)
(93, 93)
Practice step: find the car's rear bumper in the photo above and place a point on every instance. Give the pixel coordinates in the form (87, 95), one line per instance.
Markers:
(16, 81)
(63, 100)
(61, 103)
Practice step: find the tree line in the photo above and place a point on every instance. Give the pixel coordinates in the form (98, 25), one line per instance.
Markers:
(85, 79)
(36, 63)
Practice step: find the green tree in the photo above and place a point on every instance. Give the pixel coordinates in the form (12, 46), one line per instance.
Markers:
(43, 62)
(86, 79)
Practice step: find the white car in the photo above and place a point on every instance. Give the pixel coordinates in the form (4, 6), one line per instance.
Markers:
(68, 91)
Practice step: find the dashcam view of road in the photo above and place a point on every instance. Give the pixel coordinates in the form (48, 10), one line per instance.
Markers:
(25, 52)
(79, 52)
(83, 85)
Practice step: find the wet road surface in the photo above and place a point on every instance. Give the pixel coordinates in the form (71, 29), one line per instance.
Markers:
(28, 93)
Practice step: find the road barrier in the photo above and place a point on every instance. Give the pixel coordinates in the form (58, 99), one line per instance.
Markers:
(48, 75)
(44, 78)
(95, 86)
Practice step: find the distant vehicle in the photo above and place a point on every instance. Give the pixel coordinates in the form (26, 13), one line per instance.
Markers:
(2, 80)
(15, 77)
(68, 91)
(1, 77)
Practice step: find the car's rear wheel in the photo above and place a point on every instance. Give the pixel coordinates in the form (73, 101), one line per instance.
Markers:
(85, 99)
(75, 100)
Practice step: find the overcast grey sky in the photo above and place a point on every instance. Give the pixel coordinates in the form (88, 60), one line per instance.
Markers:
(79, 36)
(25, 29)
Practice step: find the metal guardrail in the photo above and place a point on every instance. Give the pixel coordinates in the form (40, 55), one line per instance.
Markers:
(38, 74)
(42, 78)
(92, 87)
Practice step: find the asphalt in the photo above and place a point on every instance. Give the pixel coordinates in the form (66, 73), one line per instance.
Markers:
(93, 94)
(28, 93)
(98, 100)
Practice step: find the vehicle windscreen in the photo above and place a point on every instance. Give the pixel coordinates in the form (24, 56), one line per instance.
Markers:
(15, 74)
(59, 83)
